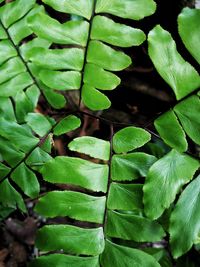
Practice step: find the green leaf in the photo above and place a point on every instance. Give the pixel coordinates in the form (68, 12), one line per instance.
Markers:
(7, 51)
(104, 80)
(9, 197)
(71, 239)
(137, 9)
(67, 124)
(178, 73)
(11, 68)
(38, 123)
(71, 32)
(17, 134)
(75, 205)
(94, 99)
(78, 172)
(15, 10)
(185, 223)
(4, 170)
(131, 166)
(37, 158)
(61, 260)
(125, 197)
(187, 20)
(65, 80)
(133, 227)
(55, 59)
(10, 152)
(171, 131)
(119, 256)
(129, 139)
(107, 57)
(15, 85)
(188, 113)
(106, 30)
(91, 146)
(26, 180)
(165, 179)
(81, 8)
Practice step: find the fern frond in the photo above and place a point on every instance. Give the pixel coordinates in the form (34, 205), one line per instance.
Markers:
(89, 63)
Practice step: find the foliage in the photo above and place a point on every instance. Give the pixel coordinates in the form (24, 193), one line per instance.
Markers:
(122, 195)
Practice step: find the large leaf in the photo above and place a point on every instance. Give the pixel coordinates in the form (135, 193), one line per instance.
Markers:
(165, 179)
(187, 112)
(72, 204)
(71, 239)
(131, 166)
(78, 172)
(91, 146)
(185, 221)
(187, 20)
(126, 9)
(133, 227)
(178, 73)
(129, 139)
(171, 131)
(119, 256)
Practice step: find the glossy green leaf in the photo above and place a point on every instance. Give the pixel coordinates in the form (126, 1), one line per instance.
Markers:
(106, 57)
(55, 100)
(91, 146)
(119, 256)
(125, 197)
(165, 179)
(129, 139)
(17, 84)
(61, 260)
(104, 80)
(94, 99)
(187, 20)
(37, 158)
(55, 59)
(185, 222)
(71, 239)
(133, 227)
(71, 32)
(66, 80)
(81, 8)
(137, 9)
(75, 205)
(20, 30)
(10, 197)
(171, 131)
(6, 51)
(106, 30)
(26, 180)
(188, 113)
(67, 124)
(38, 123)
(131, 166)
(11, 68)
(76, 171)
(4, 170)
(15, 10)
(18, 135)
(10, 153)
(6, 109)
(178, 73)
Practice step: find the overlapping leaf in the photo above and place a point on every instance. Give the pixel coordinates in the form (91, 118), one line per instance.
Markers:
(89, 63)
(16, 76)
(119, 216)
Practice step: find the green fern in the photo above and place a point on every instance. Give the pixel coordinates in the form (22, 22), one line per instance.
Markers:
(85, 69)
(116, 213)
